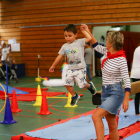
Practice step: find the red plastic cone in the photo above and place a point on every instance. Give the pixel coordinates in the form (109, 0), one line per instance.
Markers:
(14, 104)
(44, 106)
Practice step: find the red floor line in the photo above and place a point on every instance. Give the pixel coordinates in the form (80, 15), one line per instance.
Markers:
(85, 101)
(35, 117)
(31, 116)
(53, 113)
(60, 110)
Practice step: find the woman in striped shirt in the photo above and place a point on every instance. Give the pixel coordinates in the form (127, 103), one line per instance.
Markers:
(114, 69)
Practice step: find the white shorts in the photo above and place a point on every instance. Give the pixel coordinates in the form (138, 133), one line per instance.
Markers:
(78, 75)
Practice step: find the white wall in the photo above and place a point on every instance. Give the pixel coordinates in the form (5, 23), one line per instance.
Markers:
(135, 28)
(99, 31)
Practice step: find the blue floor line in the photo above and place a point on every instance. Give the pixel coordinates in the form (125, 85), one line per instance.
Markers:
(7, 135)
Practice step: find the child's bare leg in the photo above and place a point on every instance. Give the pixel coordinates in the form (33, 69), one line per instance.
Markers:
(70, 90)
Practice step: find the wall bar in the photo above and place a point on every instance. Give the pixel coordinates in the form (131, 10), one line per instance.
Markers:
(100, 23)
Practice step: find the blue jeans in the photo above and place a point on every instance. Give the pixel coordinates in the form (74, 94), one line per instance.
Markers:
(88, 72)
(112, 97)
(3, 62)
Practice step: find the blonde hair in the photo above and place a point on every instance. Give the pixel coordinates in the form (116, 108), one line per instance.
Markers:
(117, 39)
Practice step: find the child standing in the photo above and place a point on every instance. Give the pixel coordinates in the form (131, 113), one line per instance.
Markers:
(4, 53)
(74, 49)
(13, 67)
(88, 56)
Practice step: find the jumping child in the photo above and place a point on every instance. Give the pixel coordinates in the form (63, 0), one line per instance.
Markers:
(74, 49)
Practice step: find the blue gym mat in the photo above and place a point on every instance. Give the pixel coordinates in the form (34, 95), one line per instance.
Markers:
(83, 127)
(10, 90)
(133, 137)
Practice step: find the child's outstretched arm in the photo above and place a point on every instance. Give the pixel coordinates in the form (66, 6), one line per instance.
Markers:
(87, 35)
(85, 27)
(57, 60)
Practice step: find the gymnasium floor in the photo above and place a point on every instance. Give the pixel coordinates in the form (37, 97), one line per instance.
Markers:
(28, 119)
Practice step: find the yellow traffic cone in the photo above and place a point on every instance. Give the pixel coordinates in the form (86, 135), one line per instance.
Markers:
(38, 98)
(69, 101)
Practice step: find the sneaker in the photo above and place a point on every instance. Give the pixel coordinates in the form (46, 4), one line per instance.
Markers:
(74, 99)
(92, 88)
(16, 80)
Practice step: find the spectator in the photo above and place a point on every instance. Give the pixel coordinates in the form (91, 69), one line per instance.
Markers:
(135, 75)
(88, 56)
(4, 53)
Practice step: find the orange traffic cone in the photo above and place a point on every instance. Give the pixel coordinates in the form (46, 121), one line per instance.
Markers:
(14, 104)
(44, 106)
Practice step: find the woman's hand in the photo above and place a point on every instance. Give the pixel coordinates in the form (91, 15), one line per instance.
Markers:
(85, 27)
(51, 69)
(125, 104)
